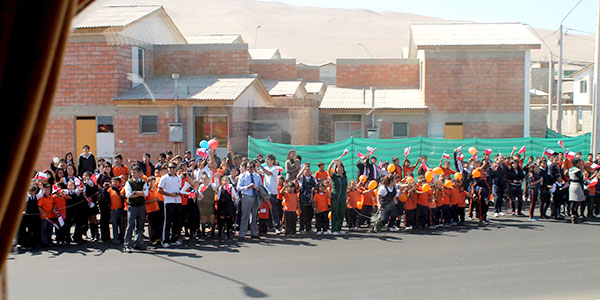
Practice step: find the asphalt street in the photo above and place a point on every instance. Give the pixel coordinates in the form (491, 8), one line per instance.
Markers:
(512, 258)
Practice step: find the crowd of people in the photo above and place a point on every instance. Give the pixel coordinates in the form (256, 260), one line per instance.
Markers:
(180, 197)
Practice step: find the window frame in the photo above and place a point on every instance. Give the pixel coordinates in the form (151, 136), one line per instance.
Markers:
(141, 118)
(401, 136)
(349, 123)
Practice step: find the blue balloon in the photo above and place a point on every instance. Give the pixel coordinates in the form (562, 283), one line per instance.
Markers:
(204, 144)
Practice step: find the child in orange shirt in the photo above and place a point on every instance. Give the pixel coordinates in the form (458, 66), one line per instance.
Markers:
(153, 212)
(368, 200)
(60, 211)
(410, 207)
(290, 196)
(46, 209)
(263, 217)
(117, 214)
(461, 198)
(352, 205)
(321, 174)
(321, 202)
(423, 199)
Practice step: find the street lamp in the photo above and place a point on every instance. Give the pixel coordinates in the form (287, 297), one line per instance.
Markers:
(550, 76)
(366, 50)
(256, 35)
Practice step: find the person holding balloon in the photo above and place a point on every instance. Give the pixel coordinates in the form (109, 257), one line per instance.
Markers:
(423, 195)
(386, 201)
(352, 205)
(321, 206)
(367, 197)
(339, 182)
(481, 191)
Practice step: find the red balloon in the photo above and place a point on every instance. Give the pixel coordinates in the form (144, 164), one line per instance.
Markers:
(213, 144)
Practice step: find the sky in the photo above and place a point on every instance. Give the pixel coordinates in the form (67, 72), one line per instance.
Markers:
(545, 14)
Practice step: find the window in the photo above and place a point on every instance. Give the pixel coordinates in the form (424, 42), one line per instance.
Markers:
(148, 124)
(583, 86)
(346, 129)
(138, 66)
(400, 129)
(105, 124)
(209, 127)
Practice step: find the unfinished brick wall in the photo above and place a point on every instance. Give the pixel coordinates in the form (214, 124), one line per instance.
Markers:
(308, 73)
(417, 129)
(474, 84)
(493, 130)
(274, 69)
(135, 144)
(189, 60)
(381, 73)
(58, 140)
(93, 73)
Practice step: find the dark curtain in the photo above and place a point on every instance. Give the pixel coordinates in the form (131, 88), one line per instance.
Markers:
(33, 36)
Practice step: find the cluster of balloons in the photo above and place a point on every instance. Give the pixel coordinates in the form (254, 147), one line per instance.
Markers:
(205, 145)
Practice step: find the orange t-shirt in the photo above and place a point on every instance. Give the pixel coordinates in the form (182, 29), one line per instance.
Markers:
(447, 171)
(445, 199)
(61, 205)
(47, 206)
(461, 196)
(453, 197)
(291, 201)
(161, 197)
(115, 199)
(407, 170)
(321, 175)
(263, 211)
(279, 195)
(353, 197)
(367, 198)
(153, 206)
(120, 171)
(321, 201)
(423, 198)
(184, 198)
(411, 201)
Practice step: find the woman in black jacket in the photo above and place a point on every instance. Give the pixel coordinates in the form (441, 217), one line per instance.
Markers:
(514, 177)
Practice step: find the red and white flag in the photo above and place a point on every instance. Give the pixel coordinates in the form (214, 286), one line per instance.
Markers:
(593, 182)
(41, 176)
(459, 149)
(548, 152)
(561, 144)
(460, 157)
(570, 154)
(61, 220)
(445, 156)
(487, 151)
(202, 152)
(371, 149)
(360, 155)
(94, 178)
(594, 166)
(474, 157)
(280, 169)
(344, 154)
(522, 150)
(407, 150)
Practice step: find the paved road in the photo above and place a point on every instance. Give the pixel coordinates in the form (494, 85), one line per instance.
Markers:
(512, 258)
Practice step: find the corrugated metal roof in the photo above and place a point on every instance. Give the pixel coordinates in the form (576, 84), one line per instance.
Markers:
(354, 98)
(190, 88)
(472, 34)
(214, 39)
(264, 53)
(314, 87)
(115, 15)
(281, 88)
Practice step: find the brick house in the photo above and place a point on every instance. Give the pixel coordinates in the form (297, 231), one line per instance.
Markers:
(467, 80)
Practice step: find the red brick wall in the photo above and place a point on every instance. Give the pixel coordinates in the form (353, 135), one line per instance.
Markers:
(58, 140)
(377, 75)
(308, 74)
(135, 144)
(93, 73)
(493, 130)
(198, 61)
(274, 69)
(474, 84)
(417, 129)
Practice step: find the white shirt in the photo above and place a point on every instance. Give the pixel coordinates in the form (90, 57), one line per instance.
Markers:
(207, 170)
(171, 184)
(128, 190)
(271, 181)
(383, 191)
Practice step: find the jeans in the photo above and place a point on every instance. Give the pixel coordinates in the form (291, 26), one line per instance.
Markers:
(533, 196)
(117, 219)
(516, 198)
(290, 222)
(389, 217)
(249, 214)
(498, 197)
(136, 216)
(306, 216)
(322, 222)
(46, 232)
(277, 211)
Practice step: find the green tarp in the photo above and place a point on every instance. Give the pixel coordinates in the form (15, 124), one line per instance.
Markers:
(555, 135)
(388, 148)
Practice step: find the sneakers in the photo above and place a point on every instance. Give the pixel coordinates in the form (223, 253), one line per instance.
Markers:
(127, 249)
(502, 214)
(408, 228)
(319, 232)
(336, 233)
(177, 243)
(277, 231)
(165, 245)
(496, 215)
(392, 229)
(533, 219)
(325, 232)
(513, 213)
(302, 232)
(342, 232)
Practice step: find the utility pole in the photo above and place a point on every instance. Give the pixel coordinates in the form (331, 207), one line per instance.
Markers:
(550, 82)
(596, 102)
(559, 85)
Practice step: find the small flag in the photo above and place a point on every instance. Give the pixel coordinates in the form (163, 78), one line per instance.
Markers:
(203, 188)
(371, 149)
(202, 152)
(192, 195)
(61, 220)
(360, 155)
(280, 169)
(594, 166)
(487, 151)
(269, 139)
(407, 150)
(561, 144)
(445, 156)
(460, 157)
(95, 178)
(459, 149)
(522, 150)
(53, 224)
(570, 154)
(548, 152)
(344, 154)
(593, 182)
(474, 157)
(41, 176)
(380, 164)
(90, 202)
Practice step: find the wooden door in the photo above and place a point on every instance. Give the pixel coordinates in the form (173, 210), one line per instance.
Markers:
(85, 134)
(453, 131)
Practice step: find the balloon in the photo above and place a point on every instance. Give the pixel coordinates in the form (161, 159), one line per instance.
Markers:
(458, 175)
(429, 176)
(213, 144)
(438, 171)
(402, 198)
(283, 203)
(204, 144)
(476, 173)
(359, 205)
(409, 179)
(448, 183)
(472, 150)
(426, 187)
(362, 178)
(329, 215)
(372, 185)
(56, 160)
(391, 168)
